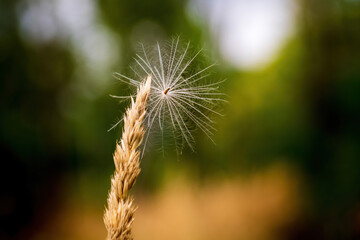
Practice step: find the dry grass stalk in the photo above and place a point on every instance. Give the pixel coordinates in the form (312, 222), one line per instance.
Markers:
(119, 214)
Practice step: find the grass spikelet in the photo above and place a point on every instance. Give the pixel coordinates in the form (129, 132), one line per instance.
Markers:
(119, 213)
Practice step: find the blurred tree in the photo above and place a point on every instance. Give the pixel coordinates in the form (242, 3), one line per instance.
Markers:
(331, 74)
(33, 137)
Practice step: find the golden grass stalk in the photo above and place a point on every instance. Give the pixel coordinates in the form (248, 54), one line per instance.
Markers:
(119, 214)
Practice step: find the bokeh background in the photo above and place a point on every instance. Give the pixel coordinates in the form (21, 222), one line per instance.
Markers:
(287, 160)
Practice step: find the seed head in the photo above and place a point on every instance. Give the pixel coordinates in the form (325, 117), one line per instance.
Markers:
(180, 100)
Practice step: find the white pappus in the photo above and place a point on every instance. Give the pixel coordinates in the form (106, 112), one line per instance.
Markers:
(181, 100)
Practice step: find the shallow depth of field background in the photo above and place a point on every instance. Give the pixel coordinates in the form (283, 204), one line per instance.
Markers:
(287, 160)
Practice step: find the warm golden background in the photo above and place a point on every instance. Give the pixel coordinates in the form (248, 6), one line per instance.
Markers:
(287, 160)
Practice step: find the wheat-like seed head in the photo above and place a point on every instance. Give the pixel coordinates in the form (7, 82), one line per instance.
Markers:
(118, 216)
(179, 99)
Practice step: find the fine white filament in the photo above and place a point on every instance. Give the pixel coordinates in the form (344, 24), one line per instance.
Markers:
(180, 99)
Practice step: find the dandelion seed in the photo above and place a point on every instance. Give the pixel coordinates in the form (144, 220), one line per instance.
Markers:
(180, 100)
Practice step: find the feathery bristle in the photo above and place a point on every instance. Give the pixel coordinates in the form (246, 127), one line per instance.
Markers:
(179, 100)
